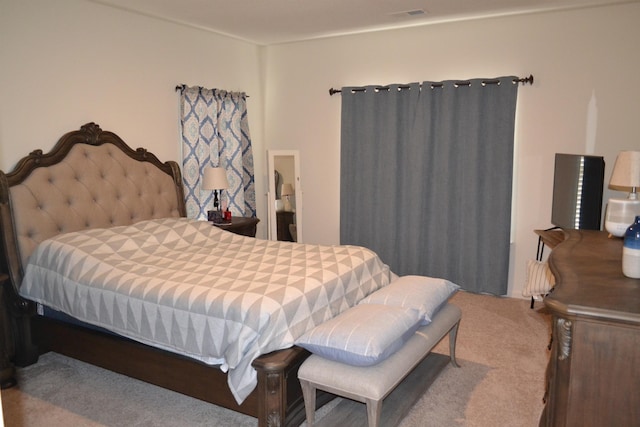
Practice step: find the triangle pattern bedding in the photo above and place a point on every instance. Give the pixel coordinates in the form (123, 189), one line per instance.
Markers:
(196, 290)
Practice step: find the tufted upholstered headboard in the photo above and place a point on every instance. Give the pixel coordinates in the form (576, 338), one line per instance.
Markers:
(90, 179)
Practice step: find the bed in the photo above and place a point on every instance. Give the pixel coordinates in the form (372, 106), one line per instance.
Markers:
(92, 199)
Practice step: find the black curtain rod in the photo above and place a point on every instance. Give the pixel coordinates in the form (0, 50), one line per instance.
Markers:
(523, 80)
(180, 88)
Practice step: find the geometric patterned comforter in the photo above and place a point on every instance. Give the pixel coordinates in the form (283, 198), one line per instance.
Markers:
(194, 289)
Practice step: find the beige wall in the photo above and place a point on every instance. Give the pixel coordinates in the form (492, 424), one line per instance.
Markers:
(579, 58)
(68, 62)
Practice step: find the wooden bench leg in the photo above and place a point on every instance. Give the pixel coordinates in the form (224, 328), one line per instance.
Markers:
(374, 408)
(309, 395)
(453, 335)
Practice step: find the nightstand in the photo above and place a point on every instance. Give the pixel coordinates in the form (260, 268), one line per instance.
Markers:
(283, 220)
(245, 226)
(7, 372)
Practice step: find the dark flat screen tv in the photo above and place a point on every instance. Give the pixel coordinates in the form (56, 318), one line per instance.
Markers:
(577, 191)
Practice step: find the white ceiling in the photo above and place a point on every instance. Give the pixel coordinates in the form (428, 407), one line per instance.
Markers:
(267, 22)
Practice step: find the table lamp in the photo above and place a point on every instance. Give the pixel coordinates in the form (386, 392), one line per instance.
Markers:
(286, 192)
(626, 175)
(215, 179)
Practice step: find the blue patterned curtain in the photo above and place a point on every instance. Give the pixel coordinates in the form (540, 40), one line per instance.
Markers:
(215, 132)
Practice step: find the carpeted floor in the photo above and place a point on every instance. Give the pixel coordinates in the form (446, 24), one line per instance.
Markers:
(501, 348)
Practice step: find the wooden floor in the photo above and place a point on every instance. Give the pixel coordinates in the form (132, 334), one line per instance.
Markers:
(397, 404)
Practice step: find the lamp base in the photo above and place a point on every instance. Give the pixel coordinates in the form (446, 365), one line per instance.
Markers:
(620, 215)
(215, 217)
(287, 204)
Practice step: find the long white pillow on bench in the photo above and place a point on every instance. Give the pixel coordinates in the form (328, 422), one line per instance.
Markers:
(362, 335)
(425, 294)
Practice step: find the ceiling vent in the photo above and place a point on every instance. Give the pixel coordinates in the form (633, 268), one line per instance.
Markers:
(409, 13)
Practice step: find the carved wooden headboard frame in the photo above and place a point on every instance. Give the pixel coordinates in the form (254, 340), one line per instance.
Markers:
(90, 179)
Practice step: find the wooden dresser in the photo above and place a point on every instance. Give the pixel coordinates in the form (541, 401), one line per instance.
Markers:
(593, 377)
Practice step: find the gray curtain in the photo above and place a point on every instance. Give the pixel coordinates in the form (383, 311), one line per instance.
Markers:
(426, 172)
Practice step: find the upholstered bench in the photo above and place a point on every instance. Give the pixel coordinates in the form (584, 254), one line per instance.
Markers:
(371, 384)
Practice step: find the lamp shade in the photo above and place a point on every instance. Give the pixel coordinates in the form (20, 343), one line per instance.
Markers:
(621, 212)
(287, 190)
(215, 179)
(626, 170)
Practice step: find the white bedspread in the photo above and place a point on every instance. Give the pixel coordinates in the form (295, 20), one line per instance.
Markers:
(191, 288)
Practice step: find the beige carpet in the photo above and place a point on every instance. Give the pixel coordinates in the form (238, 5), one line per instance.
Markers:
(501, 348)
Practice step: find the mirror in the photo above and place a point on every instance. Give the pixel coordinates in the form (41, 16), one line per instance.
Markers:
(284, 196)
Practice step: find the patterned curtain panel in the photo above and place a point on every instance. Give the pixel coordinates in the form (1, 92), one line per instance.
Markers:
(215, 132)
